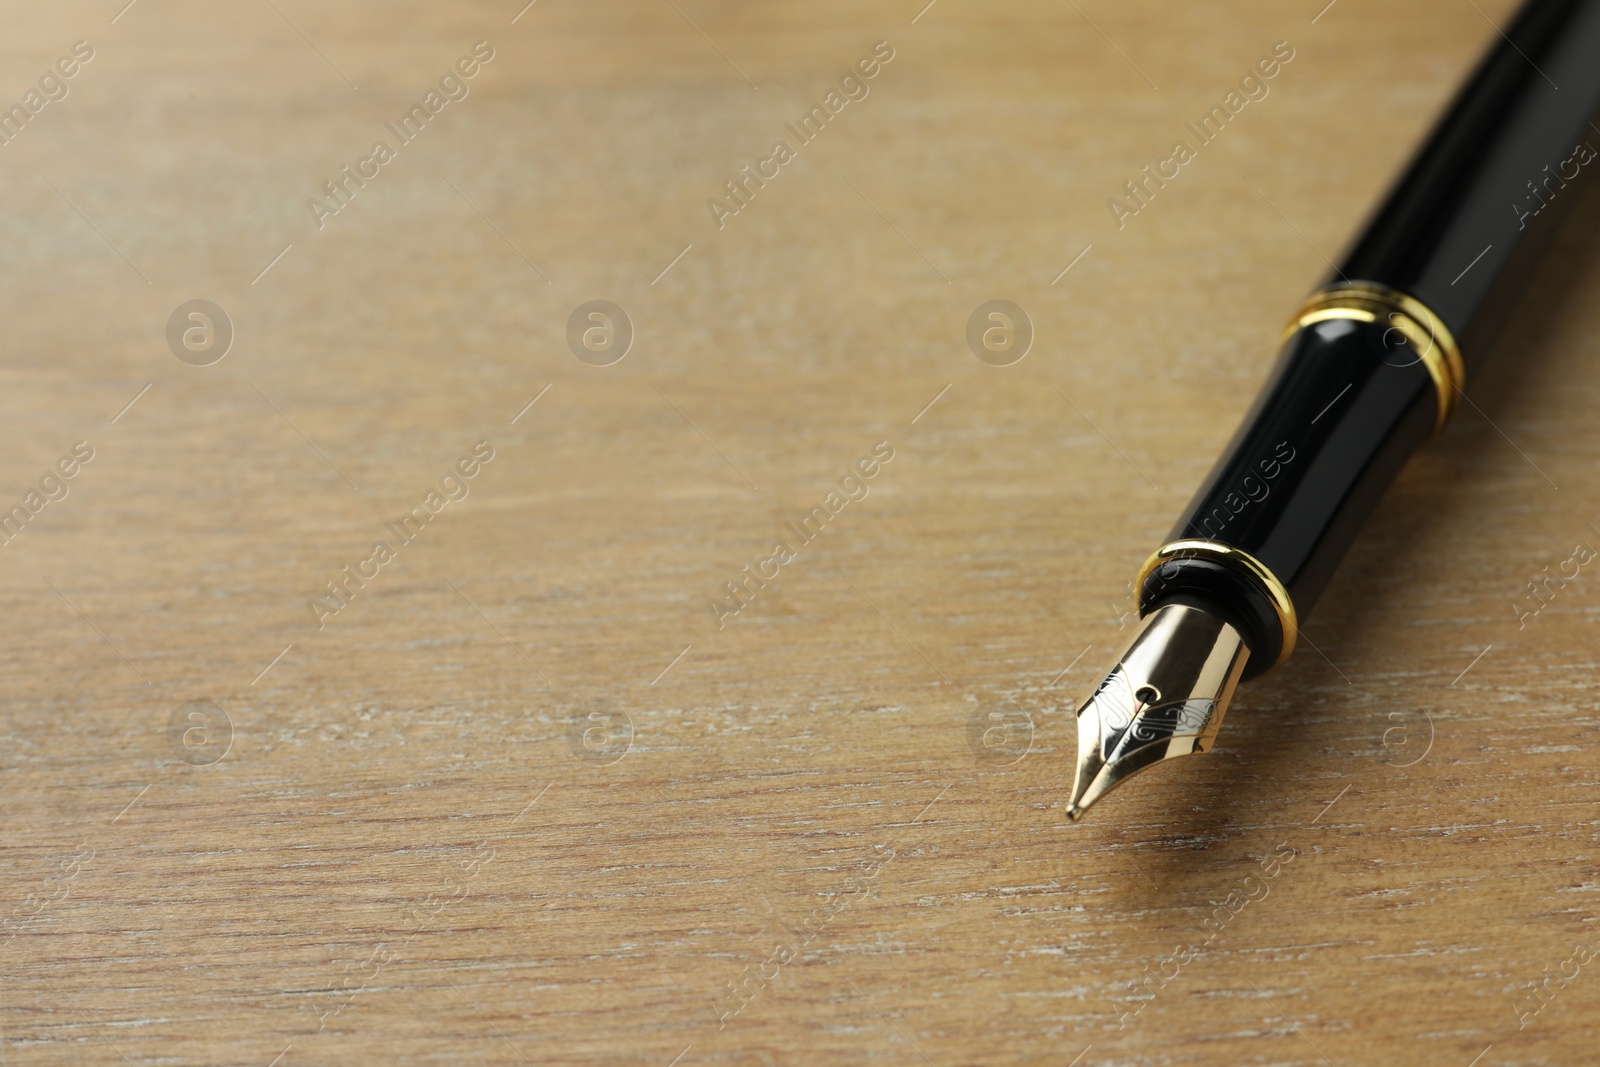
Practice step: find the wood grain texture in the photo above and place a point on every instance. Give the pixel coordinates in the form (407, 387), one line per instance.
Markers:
(413, 852)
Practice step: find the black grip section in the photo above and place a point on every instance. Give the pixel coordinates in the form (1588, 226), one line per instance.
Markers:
(1467, 219)
(1348, 402)
(1198, 582)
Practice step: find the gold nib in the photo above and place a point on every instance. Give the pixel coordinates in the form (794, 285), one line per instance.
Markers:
(1164, 697)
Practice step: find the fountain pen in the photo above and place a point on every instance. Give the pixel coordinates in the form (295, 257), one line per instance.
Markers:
(1370, 367)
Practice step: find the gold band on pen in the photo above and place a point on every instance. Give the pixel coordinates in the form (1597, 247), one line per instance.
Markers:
(1432, 341)
(1241, 562)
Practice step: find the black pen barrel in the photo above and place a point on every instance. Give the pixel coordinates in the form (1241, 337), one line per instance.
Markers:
(1372, 365)
(1463, 223)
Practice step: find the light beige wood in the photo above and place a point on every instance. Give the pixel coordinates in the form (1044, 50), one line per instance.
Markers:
(407, 834)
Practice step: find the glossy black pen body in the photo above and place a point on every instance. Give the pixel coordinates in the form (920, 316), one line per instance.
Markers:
(1370, 368)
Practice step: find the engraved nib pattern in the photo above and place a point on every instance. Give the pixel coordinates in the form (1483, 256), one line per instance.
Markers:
(1164, 697)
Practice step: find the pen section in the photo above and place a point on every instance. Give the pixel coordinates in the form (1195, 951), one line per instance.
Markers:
(1347, 403)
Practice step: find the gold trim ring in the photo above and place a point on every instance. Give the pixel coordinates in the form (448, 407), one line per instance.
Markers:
(1429, 337)
(1239, 561)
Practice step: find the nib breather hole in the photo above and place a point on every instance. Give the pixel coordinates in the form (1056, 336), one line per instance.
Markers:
(1147, 695)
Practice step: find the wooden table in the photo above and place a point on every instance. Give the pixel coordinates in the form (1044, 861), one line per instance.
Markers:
(520, 793)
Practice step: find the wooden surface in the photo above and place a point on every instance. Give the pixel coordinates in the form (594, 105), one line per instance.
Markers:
(521, 800)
